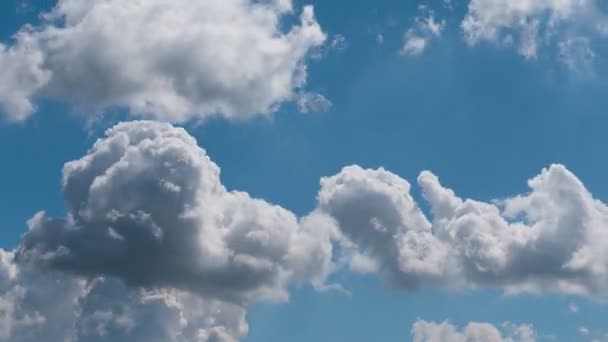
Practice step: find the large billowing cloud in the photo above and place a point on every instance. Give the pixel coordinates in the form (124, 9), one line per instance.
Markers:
(146, 205)
(550, 239)
(154, 248)
(173, 60)
(151, 235)
(529, 25)
(423, 331)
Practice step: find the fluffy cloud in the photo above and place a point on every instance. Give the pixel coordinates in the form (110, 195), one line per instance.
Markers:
(146, 205)
(154, 248)
(423, 331)
(173, 60)
(153, 237)
(550, 239)
(530, 24)
(22, 75)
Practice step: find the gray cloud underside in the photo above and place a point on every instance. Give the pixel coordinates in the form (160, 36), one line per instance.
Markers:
(37, 306)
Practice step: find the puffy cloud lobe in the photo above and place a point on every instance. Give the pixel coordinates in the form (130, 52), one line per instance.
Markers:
(165, 59)
(423, 331)
(146, 206)
(382, 226)
(36, 305)
(551, 239)
(531, 24)
(22, 75)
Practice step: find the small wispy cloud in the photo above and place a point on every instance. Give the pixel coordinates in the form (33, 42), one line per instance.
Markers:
(426, 27)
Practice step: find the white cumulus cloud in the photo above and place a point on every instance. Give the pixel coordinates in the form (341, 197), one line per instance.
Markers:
(154, 248)
(22, 76)
(146, 205)
(172, 60)
(550, 239)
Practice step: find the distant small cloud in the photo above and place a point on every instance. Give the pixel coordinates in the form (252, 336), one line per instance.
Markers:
(576, 54)
(531, 27)
(414, 45)
(338, 42)
(425, 28)
(313, 102)
(24, 7)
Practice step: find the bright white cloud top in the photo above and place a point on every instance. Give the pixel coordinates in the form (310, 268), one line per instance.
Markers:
(153, 240)
(173, 60)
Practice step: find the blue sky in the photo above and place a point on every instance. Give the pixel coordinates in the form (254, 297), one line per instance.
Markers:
(484, 118)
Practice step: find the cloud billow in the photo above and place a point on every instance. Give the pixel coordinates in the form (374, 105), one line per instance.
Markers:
(154, 248)
(146, 205)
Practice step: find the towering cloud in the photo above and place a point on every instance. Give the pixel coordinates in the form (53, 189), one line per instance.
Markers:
(146, 205)
(174, 60)
(154, 248)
